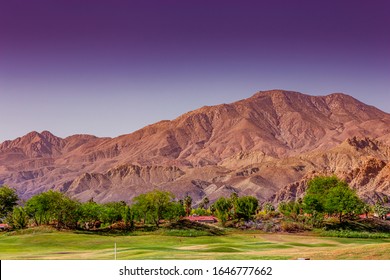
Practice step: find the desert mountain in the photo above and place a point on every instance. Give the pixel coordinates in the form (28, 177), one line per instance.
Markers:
(267, 145)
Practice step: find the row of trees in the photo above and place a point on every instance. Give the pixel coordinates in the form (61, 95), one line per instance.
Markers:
(330, 197)
(325, 196)
(57, 209)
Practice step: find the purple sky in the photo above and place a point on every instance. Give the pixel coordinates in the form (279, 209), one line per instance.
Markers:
(111, 67)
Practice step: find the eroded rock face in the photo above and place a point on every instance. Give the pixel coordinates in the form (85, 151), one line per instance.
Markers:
(370, 169)
(267, 145)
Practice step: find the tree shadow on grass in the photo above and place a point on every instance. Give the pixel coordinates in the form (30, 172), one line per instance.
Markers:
(186, 225)
(360, 225)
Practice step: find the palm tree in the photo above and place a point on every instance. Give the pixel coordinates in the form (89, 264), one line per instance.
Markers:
(205, 202)
(188, 204)
(233, 210)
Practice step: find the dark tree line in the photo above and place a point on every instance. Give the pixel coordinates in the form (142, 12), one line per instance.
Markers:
(55, 208)
(324, 196)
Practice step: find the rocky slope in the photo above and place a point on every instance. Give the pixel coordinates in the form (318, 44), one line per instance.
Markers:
(267, 145)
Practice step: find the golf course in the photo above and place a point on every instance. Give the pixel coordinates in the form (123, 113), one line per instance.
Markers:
(48, 243)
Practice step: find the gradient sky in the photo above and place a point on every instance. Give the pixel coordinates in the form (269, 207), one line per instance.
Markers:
(111, 67)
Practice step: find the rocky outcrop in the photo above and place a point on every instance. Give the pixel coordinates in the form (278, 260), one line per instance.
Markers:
(124, 177)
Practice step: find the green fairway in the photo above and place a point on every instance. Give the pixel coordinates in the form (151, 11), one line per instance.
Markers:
(51, 244)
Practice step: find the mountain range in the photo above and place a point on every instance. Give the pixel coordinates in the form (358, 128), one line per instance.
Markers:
(268, 145)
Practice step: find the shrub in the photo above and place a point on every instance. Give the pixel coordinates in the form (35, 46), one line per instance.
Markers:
(270, 226)
(292, 226)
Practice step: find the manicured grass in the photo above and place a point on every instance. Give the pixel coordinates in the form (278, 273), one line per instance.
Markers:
(176, 244)
(355, 234)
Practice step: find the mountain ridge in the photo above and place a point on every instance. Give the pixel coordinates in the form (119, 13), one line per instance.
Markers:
(218, 145)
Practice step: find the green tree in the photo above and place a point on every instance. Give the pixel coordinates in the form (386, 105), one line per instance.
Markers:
(316, 193)
(153, 205)
(128, 217)
(205, 202)
(112, 212)
(212, 209)
(53, 207)
(222, 207)
(8, 199)
(18, 219)
(175, 211)
(188, 204)
(90, 214)
(291, 209)
(67, 212)
(38, 208)
(380, 210)
(246, 207)
(233, 208)
(342, 200)
(332, 196)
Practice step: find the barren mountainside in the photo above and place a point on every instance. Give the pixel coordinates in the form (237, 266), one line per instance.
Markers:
(267, 145)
